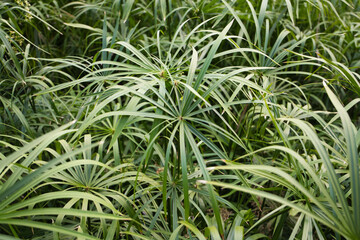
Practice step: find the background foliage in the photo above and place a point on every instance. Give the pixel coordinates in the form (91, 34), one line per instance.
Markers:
(165, 119)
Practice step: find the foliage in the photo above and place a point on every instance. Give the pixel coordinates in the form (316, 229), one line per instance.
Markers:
(194, 119)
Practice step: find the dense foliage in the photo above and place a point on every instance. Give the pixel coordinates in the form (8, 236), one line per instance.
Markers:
(179, 119)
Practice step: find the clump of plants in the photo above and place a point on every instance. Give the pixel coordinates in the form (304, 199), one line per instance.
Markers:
(194, 119)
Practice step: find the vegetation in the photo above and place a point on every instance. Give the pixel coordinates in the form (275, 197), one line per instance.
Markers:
(169, 119)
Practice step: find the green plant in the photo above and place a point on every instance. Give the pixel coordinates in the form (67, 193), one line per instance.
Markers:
(113, 115)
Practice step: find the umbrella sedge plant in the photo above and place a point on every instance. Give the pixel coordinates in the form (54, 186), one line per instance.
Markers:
(194, 119)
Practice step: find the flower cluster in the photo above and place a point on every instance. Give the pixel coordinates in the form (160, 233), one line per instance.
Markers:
(13, 36)
(26, 5)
